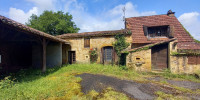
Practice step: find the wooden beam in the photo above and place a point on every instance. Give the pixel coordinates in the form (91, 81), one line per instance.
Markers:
(44, 55)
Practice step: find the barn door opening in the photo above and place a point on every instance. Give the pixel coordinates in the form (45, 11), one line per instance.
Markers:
(65, 49)
(108, 55)
(159, 57)
(72, 57)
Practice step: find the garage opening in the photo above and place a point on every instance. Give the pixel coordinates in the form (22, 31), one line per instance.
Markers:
(159, 57)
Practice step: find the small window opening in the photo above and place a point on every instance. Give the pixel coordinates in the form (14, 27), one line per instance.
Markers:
(87, 43)
(157, 31)
(174, 46)
(137, 58)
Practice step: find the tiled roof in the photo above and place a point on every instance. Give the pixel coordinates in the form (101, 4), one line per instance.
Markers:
(150, 45)
(28, 30)
(188, 45)
(94, 34)
(135, 24)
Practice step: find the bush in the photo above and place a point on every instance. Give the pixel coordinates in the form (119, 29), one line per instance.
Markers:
(93, 55)
(7, 82)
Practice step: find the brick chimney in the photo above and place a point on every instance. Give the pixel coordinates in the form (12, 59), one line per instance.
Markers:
(170, 13)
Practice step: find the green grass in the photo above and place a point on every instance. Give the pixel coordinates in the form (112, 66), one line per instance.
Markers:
(60, 83)
(168, 75)
(164, 96)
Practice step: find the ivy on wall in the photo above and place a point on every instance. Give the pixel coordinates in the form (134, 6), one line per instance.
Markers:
(120, 44)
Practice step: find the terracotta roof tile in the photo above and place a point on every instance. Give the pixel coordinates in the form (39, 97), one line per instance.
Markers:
(188, 45)
(150, 45)
(135, 24)
(94, 34)
(28, 30)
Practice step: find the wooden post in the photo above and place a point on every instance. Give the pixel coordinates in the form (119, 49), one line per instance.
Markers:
(44, 55)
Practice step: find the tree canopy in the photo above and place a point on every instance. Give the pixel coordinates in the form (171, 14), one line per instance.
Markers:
(54, 23)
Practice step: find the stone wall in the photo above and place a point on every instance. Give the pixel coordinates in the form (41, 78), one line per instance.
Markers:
(82, 54)
(140, 61)
(179, 64)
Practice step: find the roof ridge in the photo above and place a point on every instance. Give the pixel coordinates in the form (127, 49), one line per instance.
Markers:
(145, 16)
(26, 28)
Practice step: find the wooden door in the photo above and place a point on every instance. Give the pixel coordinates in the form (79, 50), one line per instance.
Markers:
(159, 57)
(72, 57)
(108, 55)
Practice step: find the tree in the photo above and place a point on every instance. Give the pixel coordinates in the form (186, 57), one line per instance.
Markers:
(54, 23)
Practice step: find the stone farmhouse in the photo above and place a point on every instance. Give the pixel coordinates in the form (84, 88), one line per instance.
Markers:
(158, 42)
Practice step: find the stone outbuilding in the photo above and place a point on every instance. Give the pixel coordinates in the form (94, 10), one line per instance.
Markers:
(160, 42)
(100, 41)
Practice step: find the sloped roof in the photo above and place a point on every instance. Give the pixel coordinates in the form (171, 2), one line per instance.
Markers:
(28, 30)
(95, 34)
(150, 45)
(188, 45)
(135, 24)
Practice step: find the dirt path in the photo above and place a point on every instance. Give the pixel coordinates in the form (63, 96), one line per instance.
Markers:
(141, 91)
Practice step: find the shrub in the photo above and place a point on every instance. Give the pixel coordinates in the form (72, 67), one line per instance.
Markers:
(93, 55)
(7, 82)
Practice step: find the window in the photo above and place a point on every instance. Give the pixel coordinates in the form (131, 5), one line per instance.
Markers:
(87, 43)
(194, 60)
(157, 31)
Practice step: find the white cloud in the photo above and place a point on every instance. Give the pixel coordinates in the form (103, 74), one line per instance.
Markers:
(191, 21)
(130, 11)
(44, 4)
(106, 20)
(109, 20)
(21, 16)
(40, 5)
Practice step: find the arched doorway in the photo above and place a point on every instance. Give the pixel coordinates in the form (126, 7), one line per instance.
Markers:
(107, 55)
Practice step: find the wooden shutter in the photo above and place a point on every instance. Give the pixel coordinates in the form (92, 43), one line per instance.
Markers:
(198, 59)
(192, 60)
(170, 31)
(86, 42)
(145, 29)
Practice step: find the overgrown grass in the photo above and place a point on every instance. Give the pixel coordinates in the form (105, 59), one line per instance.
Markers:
(168, 75)
(164, 96)
(61, 83)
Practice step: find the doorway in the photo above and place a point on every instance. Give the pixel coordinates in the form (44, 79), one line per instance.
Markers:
(72, 57)
(107, 55)
(159, 57)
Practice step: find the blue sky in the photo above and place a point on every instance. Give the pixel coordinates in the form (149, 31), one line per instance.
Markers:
(97, 15)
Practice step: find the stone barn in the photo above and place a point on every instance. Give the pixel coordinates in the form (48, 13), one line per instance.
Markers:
(23, 47)
(160, 42)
